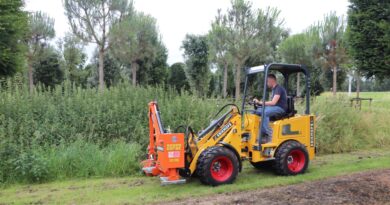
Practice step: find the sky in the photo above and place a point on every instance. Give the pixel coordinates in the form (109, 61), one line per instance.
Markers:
(176, 18)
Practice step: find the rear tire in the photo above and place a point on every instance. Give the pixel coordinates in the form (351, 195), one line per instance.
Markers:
(217, 165)
(291, 158)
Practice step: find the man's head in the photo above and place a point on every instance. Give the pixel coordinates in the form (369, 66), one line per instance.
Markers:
(271, 80)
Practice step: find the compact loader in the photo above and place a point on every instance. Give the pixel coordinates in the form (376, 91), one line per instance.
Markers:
(215, 154)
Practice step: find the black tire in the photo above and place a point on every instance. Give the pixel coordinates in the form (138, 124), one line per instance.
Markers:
(265, 165)
(291, 158)
(208, 170)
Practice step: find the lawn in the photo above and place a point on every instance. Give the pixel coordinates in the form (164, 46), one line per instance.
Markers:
(381, 100)
(140, 189)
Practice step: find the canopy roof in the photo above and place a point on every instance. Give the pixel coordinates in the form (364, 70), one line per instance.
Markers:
(285, 69)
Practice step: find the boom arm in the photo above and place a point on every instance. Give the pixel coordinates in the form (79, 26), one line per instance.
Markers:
(165, 150)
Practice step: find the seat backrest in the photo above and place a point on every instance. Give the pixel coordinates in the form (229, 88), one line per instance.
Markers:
(290, 106)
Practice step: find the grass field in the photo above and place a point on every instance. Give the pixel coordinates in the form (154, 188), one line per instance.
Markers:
(139, 189)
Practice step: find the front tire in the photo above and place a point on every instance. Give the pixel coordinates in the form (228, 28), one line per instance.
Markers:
(291, 158)
(217, 165)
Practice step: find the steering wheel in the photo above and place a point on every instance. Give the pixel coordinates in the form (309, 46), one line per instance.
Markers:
(251, 102)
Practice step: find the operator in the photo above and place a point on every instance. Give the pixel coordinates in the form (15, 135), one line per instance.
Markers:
(277, 106)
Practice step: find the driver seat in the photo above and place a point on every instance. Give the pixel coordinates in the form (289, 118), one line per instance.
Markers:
(290, 110)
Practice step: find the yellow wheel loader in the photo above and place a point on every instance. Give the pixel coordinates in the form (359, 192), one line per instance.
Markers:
(215, 155)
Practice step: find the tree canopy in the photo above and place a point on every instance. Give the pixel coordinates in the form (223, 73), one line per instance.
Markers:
(196, 53)
(91, 21)
(13, 24)
(134, 40)
(40, 30)
(369, 36)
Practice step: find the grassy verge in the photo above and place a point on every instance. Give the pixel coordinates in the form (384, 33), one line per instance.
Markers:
(141, 190)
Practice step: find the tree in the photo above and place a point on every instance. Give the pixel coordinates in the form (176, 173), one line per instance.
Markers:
(369, 36)
(252, 35)
(13, 24)
(219, 47)
(304, 48)
(177, 77)
(40, 30)
(153, 70)
(293, 50)
(334, 51)
(75, 58)
(314, 50)
(91, 21)
(47, 67)
(111, 71)
(134, 39)
(213, 85)
(196, 53)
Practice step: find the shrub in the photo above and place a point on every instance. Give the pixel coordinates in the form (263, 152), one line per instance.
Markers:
(71, 132)
(340, 128)
(83, 159)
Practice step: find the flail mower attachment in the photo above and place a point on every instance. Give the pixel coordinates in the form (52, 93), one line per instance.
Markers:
(165, 151)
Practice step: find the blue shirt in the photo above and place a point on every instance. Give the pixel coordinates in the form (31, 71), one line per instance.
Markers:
(282, 102)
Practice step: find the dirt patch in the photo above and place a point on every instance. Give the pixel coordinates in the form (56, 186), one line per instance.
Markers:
(361, 188)
(134, 183)
(76, 187)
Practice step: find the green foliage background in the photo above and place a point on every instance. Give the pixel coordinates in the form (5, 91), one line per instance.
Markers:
(72, 132)
(36, 131)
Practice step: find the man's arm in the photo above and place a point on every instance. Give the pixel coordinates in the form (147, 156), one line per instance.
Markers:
(273, 102)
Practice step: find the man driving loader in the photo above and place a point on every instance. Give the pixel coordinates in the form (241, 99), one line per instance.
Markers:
(277, 105)
(215, 155)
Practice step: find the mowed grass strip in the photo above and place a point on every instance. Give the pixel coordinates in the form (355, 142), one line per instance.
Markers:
(141, 190)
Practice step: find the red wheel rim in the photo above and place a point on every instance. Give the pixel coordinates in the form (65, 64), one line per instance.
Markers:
(221, 168)
(296, 160)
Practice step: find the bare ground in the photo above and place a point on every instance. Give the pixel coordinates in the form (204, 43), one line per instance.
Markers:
(361, 188)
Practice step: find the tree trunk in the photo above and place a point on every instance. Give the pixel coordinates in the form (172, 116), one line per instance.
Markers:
(134, 73)
(225, 79)
(350, 78)
(30, 75)
(334, 80)
(298, 85)
(238, 80)
(357, 84)
(101, 69)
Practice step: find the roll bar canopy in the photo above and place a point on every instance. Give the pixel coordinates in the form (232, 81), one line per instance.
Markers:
(286, 70)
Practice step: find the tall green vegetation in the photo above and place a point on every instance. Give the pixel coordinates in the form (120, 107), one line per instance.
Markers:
(369, 36)
(13, 24)
(38, 132)
(72, 132)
